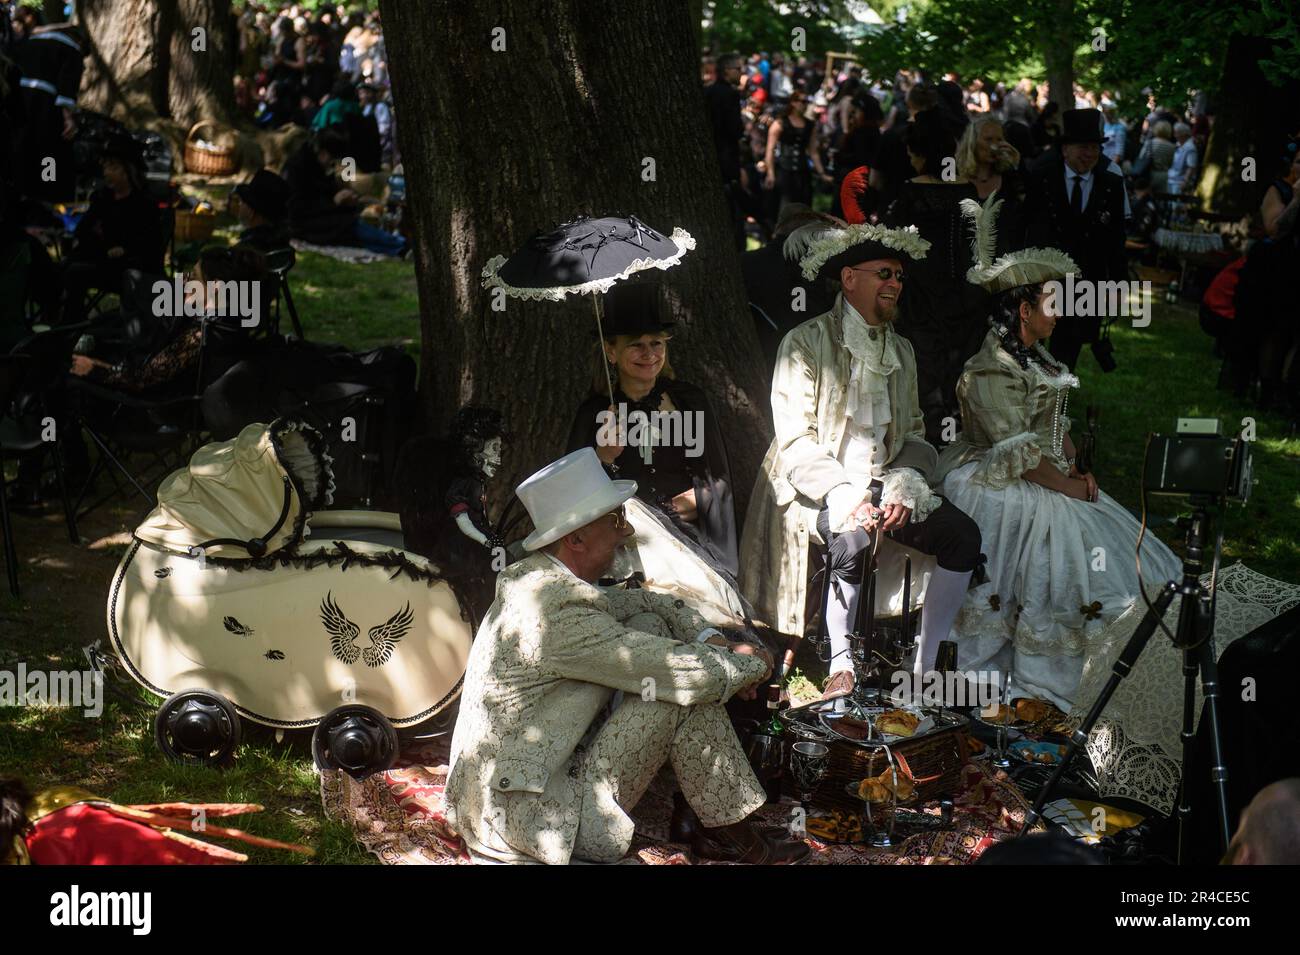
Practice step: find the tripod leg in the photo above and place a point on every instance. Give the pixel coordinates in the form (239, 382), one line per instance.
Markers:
(1123, 666)
(1202, 658)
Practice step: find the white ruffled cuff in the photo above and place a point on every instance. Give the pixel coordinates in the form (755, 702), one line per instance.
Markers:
(906, 486)
(1007, 460)
(841, 501)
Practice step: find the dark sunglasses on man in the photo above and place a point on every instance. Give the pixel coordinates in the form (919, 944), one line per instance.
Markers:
(884, 274)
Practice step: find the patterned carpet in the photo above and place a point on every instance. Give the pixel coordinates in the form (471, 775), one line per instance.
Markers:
(399, 817)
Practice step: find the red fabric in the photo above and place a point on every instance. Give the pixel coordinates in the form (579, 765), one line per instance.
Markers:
(855, 184)
(459, 508)
(1220, 297)
(87, 835)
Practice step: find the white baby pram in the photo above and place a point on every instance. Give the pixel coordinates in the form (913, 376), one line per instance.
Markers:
(243, 598)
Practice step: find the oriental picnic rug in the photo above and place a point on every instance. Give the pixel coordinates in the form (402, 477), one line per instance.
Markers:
(399, 817)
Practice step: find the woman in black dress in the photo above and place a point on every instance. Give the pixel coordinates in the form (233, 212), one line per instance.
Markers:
(940, 313)
(791, 142)
(680, 467)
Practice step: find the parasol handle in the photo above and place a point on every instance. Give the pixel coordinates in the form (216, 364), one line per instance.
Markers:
(600, 330)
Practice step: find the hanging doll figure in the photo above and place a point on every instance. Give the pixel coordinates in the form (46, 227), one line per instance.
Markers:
(444, 503)
(477, 438)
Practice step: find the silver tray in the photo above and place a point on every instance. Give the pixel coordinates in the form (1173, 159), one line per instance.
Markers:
(816, 721)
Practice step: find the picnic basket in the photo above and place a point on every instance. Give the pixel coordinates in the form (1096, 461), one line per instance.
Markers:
(208, 158)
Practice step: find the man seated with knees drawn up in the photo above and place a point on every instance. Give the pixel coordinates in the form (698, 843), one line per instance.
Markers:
(575, 696)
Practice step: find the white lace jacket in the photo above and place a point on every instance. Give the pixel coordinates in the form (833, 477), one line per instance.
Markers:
(549, 655)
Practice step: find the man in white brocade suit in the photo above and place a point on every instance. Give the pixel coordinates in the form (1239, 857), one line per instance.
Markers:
(575, 696)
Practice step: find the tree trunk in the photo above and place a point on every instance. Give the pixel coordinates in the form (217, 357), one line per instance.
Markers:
(1058, 53)
(143, 62)
(498, 145)
(1247, 124)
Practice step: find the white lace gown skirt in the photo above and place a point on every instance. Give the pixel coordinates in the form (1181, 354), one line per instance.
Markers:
(1061, 571)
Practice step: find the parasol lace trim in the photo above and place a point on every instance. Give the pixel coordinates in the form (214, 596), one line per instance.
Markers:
(491, 277)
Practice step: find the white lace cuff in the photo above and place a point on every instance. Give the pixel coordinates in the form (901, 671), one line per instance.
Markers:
(1007, 460)
(841, 501)
(907, 487)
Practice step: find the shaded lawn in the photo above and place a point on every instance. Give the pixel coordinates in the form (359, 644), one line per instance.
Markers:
(1165, 371)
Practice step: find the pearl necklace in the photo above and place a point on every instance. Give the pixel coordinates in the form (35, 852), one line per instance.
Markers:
(1058, 432)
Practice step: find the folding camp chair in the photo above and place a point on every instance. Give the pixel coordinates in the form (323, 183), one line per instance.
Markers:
(23, 431)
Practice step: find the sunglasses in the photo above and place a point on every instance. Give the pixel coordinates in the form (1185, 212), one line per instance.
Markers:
(883, 274)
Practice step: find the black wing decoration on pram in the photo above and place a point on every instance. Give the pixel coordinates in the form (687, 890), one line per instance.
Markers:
(384, 638)
(343, 632)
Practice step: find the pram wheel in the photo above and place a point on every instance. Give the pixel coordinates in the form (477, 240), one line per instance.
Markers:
(356, 739)
(197, 726)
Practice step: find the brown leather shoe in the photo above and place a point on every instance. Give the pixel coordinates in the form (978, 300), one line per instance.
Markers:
(746, 843)
(841, 684)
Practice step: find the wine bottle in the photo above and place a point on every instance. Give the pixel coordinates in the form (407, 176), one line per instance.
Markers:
(776, 767)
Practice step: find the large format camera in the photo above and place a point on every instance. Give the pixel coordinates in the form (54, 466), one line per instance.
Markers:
(1198, 461)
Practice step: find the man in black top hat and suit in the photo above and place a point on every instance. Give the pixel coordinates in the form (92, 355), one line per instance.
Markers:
(1077, 203)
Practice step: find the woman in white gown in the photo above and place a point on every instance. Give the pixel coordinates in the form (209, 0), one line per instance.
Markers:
(1062, 598)
(1060, 551)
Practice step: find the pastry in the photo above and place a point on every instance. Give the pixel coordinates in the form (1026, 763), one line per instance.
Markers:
(1031, 711)
(1000, 714)
(897, 723)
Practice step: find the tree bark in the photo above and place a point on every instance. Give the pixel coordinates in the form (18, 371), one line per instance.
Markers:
(1058, 54)
(1247, 123)
(142, 59)
(498, 145)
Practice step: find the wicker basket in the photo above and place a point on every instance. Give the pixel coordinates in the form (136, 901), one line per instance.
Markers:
(942, 753)
(194, 226)
(212, 160)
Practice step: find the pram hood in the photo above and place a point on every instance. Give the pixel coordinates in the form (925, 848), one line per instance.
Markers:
(246, 497)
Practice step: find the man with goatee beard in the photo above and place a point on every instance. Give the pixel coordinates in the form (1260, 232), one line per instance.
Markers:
(850, 459)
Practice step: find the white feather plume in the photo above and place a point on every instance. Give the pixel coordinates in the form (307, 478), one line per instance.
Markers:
(984, 241)
(797, 242)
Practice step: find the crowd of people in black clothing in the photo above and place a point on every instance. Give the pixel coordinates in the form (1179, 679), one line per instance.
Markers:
(85, 229)
(911, 149)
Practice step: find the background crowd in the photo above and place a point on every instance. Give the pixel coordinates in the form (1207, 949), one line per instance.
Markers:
(792, 135)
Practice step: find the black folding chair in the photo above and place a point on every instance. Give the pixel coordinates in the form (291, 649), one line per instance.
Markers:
(166, 429)
(279, 262)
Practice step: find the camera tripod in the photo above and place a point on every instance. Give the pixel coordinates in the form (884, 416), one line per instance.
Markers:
(1194, 636)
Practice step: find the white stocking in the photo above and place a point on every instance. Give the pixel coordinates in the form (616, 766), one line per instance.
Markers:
(839, 623)
(943, 598)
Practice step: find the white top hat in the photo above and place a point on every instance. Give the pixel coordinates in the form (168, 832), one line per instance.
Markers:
(567, 494)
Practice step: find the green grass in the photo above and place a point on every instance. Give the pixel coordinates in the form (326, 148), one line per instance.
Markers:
(114, 756)
(1167, 371)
